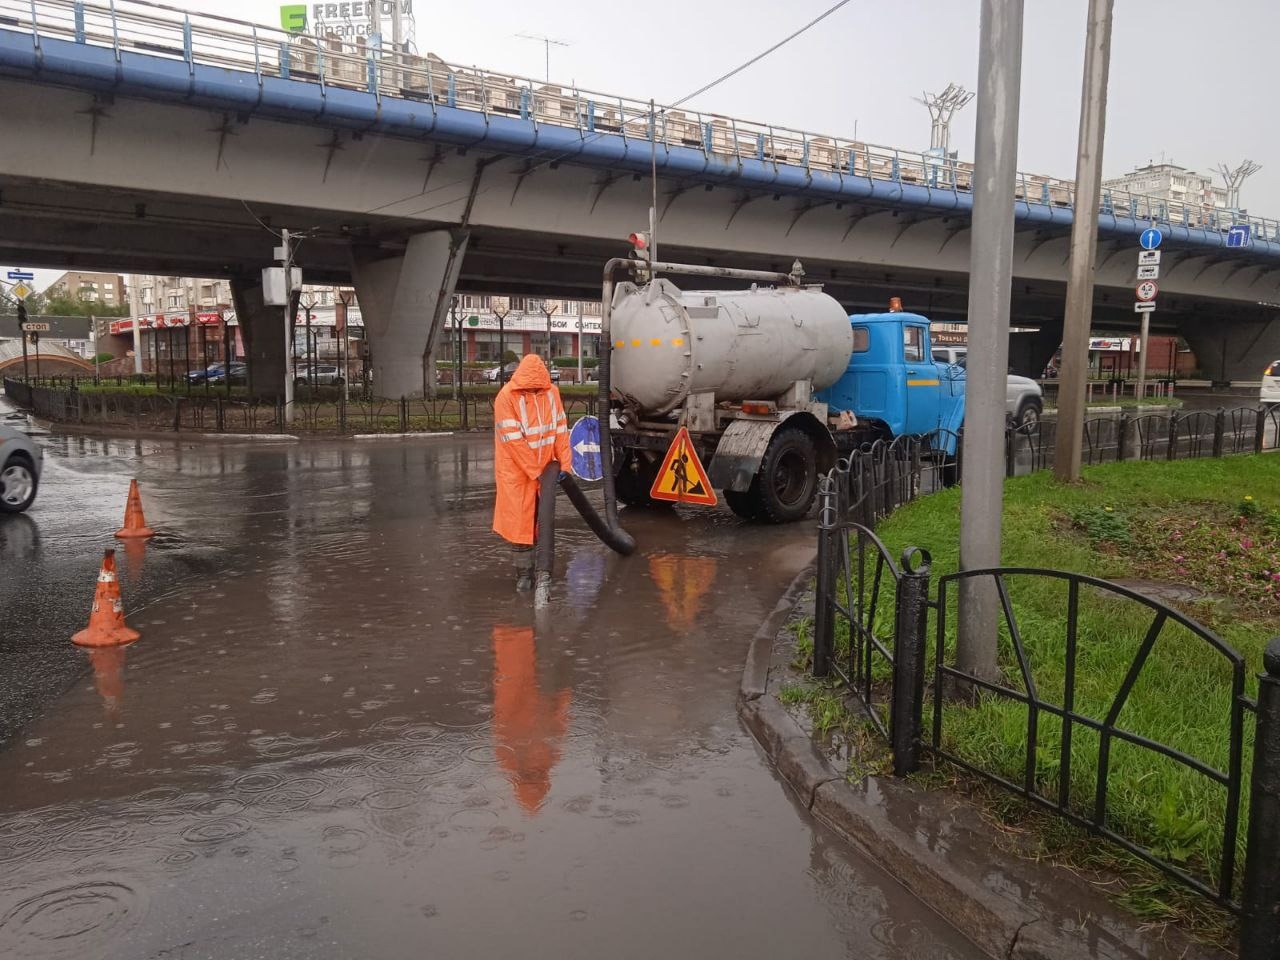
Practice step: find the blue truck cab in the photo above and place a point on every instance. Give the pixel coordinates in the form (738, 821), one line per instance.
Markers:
(893, 387)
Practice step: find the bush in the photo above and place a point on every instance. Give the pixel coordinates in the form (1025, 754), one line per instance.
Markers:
(588, 363)
(103, 357)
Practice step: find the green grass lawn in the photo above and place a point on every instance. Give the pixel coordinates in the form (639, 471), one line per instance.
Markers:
(1213, 524)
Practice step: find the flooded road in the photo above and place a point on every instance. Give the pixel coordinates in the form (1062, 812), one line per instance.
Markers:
(342, 733)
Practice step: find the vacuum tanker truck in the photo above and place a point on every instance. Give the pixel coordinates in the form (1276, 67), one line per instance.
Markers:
(773, 382)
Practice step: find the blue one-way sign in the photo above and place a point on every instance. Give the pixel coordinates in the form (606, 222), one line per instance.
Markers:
(584, 441)
(1150, 238)
(1239, 235)
(21, 275)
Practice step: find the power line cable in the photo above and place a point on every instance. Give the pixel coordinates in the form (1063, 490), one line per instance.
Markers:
(760, 56)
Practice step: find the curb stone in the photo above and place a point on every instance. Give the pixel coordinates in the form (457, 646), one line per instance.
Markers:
(935, 843)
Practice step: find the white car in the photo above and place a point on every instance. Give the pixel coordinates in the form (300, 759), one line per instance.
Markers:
(1024, 400)
(326, 375)
(1271, 384)
(20, 463)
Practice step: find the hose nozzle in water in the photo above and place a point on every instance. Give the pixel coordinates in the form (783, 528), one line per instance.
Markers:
(615, 538)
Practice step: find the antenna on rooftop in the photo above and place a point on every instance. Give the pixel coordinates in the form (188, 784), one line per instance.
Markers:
(547, 43)
(942, 107)
(1235, 178)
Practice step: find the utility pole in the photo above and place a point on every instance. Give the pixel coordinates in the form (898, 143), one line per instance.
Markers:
(342, 303)
(1084, 244)
(457, 349)
(579, 341)
(284, 253)
(990, 288)
(547, 43)
(501, 306)
(549, 308)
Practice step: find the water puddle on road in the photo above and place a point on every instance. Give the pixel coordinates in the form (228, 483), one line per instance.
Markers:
(343, 734)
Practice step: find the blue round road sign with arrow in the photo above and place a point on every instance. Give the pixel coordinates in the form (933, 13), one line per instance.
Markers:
(584, 441)
(1150, 238)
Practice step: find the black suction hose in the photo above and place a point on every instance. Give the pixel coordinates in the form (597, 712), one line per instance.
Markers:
(603, 401)
(615, 538)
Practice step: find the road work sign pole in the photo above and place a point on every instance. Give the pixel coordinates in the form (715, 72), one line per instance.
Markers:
(990, 286)
(1084, 244)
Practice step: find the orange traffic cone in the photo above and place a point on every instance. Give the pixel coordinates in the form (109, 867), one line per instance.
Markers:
(135, 524)
(106, 620)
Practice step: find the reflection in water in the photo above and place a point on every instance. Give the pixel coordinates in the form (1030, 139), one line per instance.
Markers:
(683, 582)
(108, 676)
(527, 725)
(584, 577)
(19, 538)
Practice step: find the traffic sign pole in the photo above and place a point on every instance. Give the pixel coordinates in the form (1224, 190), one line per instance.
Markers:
(22, 323)
(1142, 353)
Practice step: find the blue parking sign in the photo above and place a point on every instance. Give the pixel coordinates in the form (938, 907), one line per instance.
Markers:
(584, 441)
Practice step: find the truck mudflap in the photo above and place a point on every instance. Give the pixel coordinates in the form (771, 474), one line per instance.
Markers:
(742, 445)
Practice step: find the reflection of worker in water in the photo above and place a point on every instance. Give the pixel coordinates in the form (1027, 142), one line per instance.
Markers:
(530, 431)
(527, 725)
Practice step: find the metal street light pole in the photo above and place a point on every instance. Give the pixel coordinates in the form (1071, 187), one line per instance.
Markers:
(990, 286)
(549, 309)
(579, 341)
(457, 349)
(1084, 245)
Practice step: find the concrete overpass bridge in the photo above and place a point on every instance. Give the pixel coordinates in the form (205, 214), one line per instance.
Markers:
(143, 137)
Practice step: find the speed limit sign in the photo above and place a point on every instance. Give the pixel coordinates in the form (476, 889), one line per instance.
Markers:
(1147, 290)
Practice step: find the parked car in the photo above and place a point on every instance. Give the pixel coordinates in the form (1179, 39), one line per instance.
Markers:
(239, 373)
(200, 376)
(1024, 398)
(1271, 384)
(494, 374)
(326, 375)
(20, 462)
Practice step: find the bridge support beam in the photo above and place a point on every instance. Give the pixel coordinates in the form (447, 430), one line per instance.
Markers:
(398, 300)
(265, 343)
(1030, 353)
(1232, 350)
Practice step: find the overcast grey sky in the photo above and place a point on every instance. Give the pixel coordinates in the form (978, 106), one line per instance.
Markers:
(1188, 78)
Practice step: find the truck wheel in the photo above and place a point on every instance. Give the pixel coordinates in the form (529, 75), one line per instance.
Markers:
(742, 503)
(783, 490)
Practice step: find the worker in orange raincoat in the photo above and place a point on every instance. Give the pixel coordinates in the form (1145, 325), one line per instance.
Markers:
(530, 431)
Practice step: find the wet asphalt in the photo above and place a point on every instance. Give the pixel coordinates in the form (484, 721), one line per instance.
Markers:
(343, 734)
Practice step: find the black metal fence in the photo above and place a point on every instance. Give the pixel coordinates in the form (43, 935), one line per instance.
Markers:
(330, 413)
(872, 631)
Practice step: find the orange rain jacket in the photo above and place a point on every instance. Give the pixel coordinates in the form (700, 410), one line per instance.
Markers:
(530, 430)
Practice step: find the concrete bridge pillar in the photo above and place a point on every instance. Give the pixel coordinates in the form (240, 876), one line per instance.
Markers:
(1234, 350)
(265, 342)
(398, 297)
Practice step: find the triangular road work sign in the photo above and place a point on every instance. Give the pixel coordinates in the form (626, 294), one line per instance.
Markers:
(682, 479)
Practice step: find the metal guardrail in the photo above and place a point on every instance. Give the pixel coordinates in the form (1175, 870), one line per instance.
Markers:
(322, 412)
(201, 39)
(871, 631)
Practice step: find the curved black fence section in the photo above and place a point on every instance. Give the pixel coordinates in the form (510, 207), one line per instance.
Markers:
(1054, 791)
(872, 633)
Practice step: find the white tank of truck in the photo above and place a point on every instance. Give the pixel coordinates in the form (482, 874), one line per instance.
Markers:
(739, 345)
